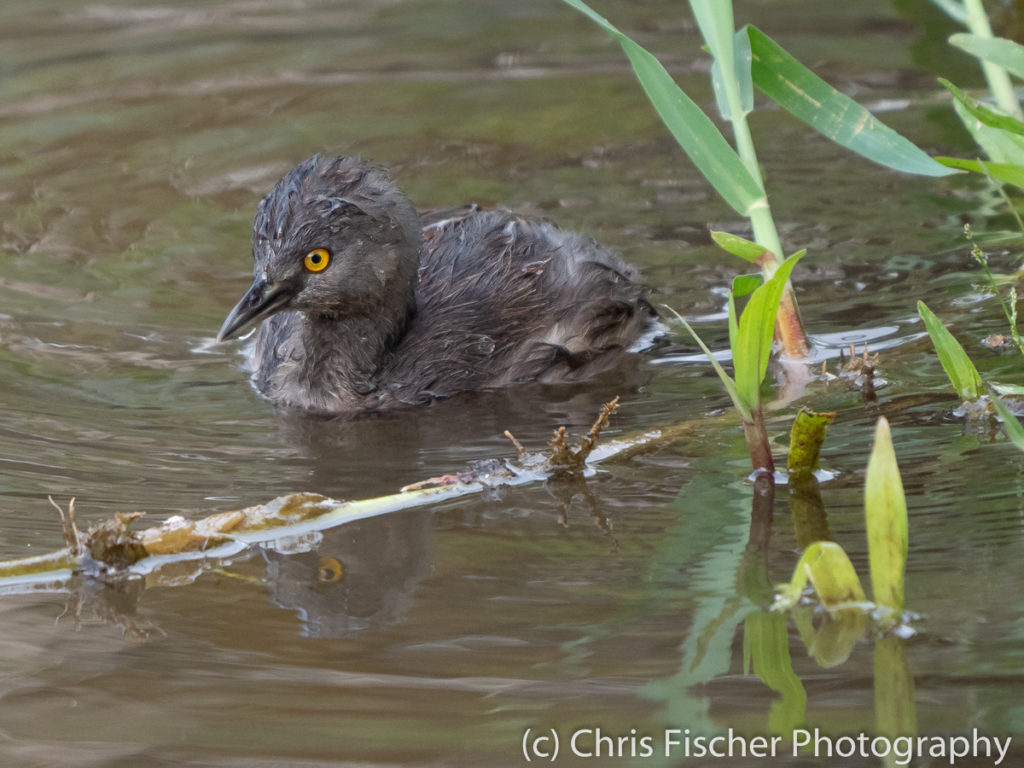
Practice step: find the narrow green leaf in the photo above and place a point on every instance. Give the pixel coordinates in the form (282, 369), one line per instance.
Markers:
(730, 52)
(1014, 430)
(752, 345)
(840, 118)
(692, 129)
(830, 571)
(734, 328)
(741, 77)
(885, 511)
(715, 21)
(1005, 172)
(743, 58)
(738, 246)
(743, 285)
(727, 381)
(958, 366)
(1000, 146)
(985, 114)
(997, 50)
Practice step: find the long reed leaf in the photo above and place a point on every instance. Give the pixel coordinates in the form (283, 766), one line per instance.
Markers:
(986, 115)
(1009, 173)
(831, 113)
(997, 50)
(692, 129)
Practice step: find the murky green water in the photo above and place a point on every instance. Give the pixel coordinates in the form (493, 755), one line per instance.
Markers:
(135, 141)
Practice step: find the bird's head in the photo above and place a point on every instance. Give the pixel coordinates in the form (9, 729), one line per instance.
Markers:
(334, 238)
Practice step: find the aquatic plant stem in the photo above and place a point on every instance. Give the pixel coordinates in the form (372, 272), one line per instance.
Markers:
(756, 434)
(788, 326)
(997, 78)
(718, 22)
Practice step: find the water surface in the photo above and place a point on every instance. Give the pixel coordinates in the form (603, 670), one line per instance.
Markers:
(136, 139)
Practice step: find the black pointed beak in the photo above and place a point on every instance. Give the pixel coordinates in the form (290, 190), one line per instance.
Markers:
(261, 300)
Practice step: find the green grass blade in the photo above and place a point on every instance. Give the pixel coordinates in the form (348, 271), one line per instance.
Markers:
(737, 246)
(715, 20)
(692, 129)
(996, 50)
(1008, 173)
(840, 118)
(1014, 430)
(743, 285)
(986, 115)
(752, 345)
(730, 52)
(727, 381)
(885, 511)
(734, 327)
(958, 366)
(1000, 146)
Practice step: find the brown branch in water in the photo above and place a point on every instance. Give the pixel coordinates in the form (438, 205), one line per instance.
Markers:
(520, 450)
(566, 460)
(73, 538)
(861, 372)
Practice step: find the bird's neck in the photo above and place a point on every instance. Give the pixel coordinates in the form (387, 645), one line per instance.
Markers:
(345, 356)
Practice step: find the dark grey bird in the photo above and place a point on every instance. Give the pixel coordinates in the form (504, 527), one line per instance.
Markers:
(364, 308)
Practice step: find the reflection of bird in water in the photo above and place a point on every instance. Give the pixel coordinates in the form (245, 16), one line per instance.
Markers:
(365, 310)
(363, 575)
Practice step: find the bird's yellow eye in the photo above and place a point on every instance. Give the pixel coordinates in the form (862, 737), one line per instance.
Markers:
(317, 260)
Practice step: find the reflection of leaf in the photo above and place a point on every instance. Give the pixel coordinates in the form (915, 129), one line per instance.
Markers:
(832, 641)
(712, 550)
(766, 652)
(895, 714)
(885, 509)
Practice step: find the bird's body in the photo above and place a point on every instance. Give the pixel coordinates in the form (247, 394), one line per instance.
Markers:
(401, 315)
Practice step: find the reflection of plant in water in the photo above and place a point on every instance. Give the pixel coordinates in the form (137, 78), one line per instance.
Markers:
(826, 567)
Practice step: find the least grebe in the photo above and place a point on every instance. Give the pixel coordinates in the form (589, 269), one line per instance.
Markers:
(364, 308)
